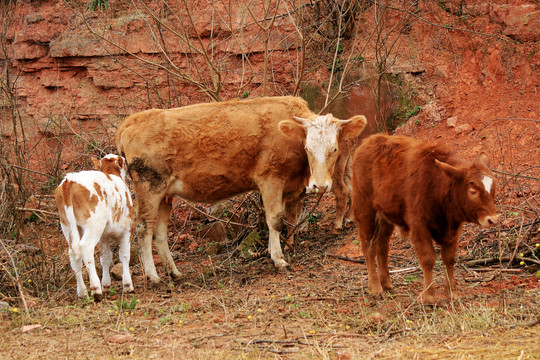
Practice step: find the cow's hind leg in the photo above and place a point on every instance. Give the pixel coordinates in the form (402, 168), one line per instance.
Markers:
(106, 261)
(92, 235)
(123, 255)
(293, 208)
(382, 239)
(161, 238)
(366, 224)
(148, 204)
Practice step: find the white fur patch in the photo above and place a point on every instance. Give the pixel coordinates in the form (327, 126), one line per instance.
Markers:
(487, 181)
(321, 135)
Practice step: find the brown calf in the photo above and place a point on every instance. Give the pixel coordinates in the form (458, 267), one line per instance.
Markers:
(428, 192)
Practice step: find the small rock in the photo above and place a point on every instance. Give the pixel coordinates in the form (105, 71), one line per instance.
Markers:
(377, 318)
(465, 128)
(116, 271)
(452, 121)
(4, 305)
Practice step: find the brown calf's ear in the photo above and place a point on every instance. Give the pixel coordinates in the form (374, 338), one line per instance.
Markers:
(451, 171)
(292, 130)
(96, 163)
(354, 127)
(484, 159)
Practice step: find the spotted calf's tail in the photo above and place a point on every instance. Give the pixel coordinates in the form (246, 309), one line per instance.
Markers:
(74, 236)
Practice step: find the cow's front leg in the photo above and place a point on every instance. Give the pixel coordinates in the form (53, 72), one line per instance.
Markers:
(423, 246)
(448, 255)
(274, 208)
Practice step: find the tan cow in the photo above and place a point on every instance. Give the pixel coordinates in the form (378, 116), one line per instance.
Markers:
(210, 152)
(426, 190)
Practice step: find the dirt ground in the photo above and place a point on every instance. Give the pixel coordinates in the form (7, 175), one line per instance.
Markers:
(229, 307)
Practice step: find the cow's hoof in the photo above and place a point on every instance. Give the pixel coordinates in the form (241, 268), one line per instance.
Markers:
(285, 269)
(154, 279)
(175, 274)
(98, 297)
(429, 300)
(128, 288)
(337, 230)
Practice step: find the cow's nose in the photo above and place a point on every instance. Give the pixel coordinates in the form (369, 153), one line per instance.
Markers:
(492, 220)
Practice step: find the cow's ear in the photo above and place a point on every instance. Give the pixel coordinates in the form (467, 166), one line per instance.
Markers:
(354, 127)
(292, 130)
(120, 162)
(96, 163)
(484, 159)
(451, 171)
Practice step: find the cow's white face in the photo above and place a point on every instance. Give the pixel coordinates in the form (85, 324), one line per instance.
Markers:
(321, 135)
(322, 150)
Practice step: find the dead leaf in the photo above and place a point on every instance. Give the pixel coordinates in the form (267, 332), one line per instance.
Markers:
(28, 328)
(120, 339)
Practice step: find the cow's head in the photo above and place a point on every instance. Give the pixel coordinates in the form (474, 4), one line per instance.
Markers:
(320, 136)
(475, 186)
(111, 164)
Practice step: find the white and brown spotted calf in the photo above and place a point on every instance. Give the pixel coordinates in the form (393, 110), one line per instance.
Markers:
(96, 207)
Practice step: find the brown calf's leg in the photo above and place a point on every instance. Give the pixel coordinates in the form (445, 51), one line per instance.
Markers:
(366, 233)
(384, 231)
(423, 246)
(448, 255)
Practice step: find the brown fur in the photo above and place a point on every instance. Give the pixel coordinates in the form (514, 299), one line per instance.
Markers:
(427, 191)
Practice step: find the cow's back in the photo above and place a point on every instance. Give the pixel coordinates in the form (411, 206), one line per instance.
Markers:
(214, 150)
(398, 176)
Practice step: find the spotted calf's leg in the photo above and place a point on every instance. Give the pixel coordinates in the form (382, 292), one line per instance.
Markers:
(161, 237)
(106, 261)
(75, 259)
(124, 255)
(89, 240)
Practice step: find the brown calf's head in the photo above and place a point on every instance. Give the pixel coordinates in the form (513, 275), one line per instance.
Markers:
(476, 187)
(320, 136)
(111, 164)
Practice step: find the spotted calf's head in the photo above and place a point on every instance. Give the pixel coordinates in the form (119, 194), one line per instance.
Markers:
(476, 187)
(111, 164)
(320, 135)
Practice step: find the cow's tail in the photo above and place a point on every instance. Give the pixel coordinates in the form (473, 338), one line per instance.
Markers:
(74, 236)
(119, 144)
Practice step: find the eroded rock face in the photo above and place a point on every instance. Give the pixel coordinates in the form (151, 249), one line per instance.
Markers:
(67, 61)
(86, 65)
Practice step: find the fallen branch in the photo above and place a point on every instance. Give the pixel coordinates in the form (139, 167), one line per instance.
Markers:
(346, 258)
(487, 261)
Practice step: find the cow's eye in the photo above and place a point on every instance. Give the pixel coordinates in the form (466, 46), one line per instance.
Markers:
(473, 191)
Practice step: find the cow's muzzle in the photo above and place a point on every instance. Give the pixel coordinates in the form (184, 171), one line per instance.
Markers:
(314, 188)
(489, 221)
